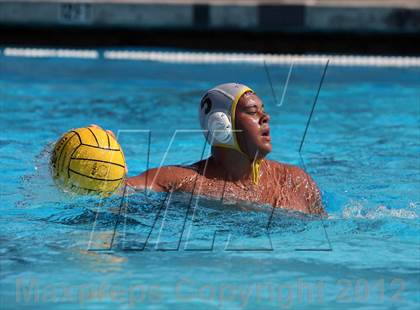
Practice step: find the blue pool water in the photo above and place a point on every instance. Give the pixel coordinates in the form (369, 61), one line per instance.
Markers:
(362, 149)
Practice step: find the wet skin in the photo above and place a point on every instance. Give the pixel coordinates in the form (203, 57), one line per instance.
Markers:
(226, 175)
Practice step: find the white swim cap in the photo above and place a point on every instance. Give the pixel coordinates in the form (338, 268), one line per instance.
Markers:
(217, 114)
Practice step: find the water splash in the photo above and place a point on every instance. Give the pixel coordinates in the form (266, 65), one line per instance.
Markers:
(356, 210)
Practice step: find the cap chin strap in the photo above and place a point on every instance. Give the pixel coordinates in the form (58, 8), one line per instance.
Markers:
(255, 164)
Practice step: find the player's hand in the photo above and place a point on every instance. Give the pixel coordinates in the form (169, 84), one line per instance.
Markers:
(107, 130)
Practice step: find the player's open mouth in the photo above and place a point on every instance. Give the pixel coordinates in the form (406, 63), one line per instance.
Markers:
(266, 134)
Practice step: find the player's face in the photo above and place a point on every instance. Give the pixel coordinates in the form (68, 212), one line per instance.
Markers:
(251, 121)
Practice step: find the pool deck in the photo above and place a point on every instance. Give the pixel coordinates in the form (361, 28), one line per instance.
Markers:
(362, 27)
(298, 16)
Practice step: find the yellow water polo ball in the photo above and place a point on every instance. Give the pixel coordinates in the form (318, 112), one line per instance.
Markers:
(88, 160)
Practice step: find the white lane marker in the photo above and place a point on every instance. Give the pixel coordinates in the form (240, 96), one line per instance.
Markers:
(205, 58)
(47, 52)
(191, 57)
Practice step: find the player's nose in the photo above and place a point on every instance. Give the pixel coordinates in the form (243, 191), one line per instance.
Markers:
(265, 118)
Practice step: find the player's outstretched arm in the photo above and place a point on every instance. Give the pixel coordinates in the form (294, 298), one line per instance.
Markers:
(163, 179)
(153, 179)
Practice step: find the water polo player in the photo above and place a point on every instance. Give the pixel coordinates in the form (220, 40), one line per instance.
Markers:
(237, 127)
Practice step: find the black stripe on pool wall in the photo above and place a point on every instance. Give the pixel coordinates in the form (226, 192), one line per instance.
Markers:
(276, 17)
(401, 18)
(201, 16)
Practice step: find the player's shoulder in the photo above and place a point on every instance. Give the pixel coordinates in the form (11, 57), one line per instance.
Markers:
(161, 178)
(284, 168)
(309, 191)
